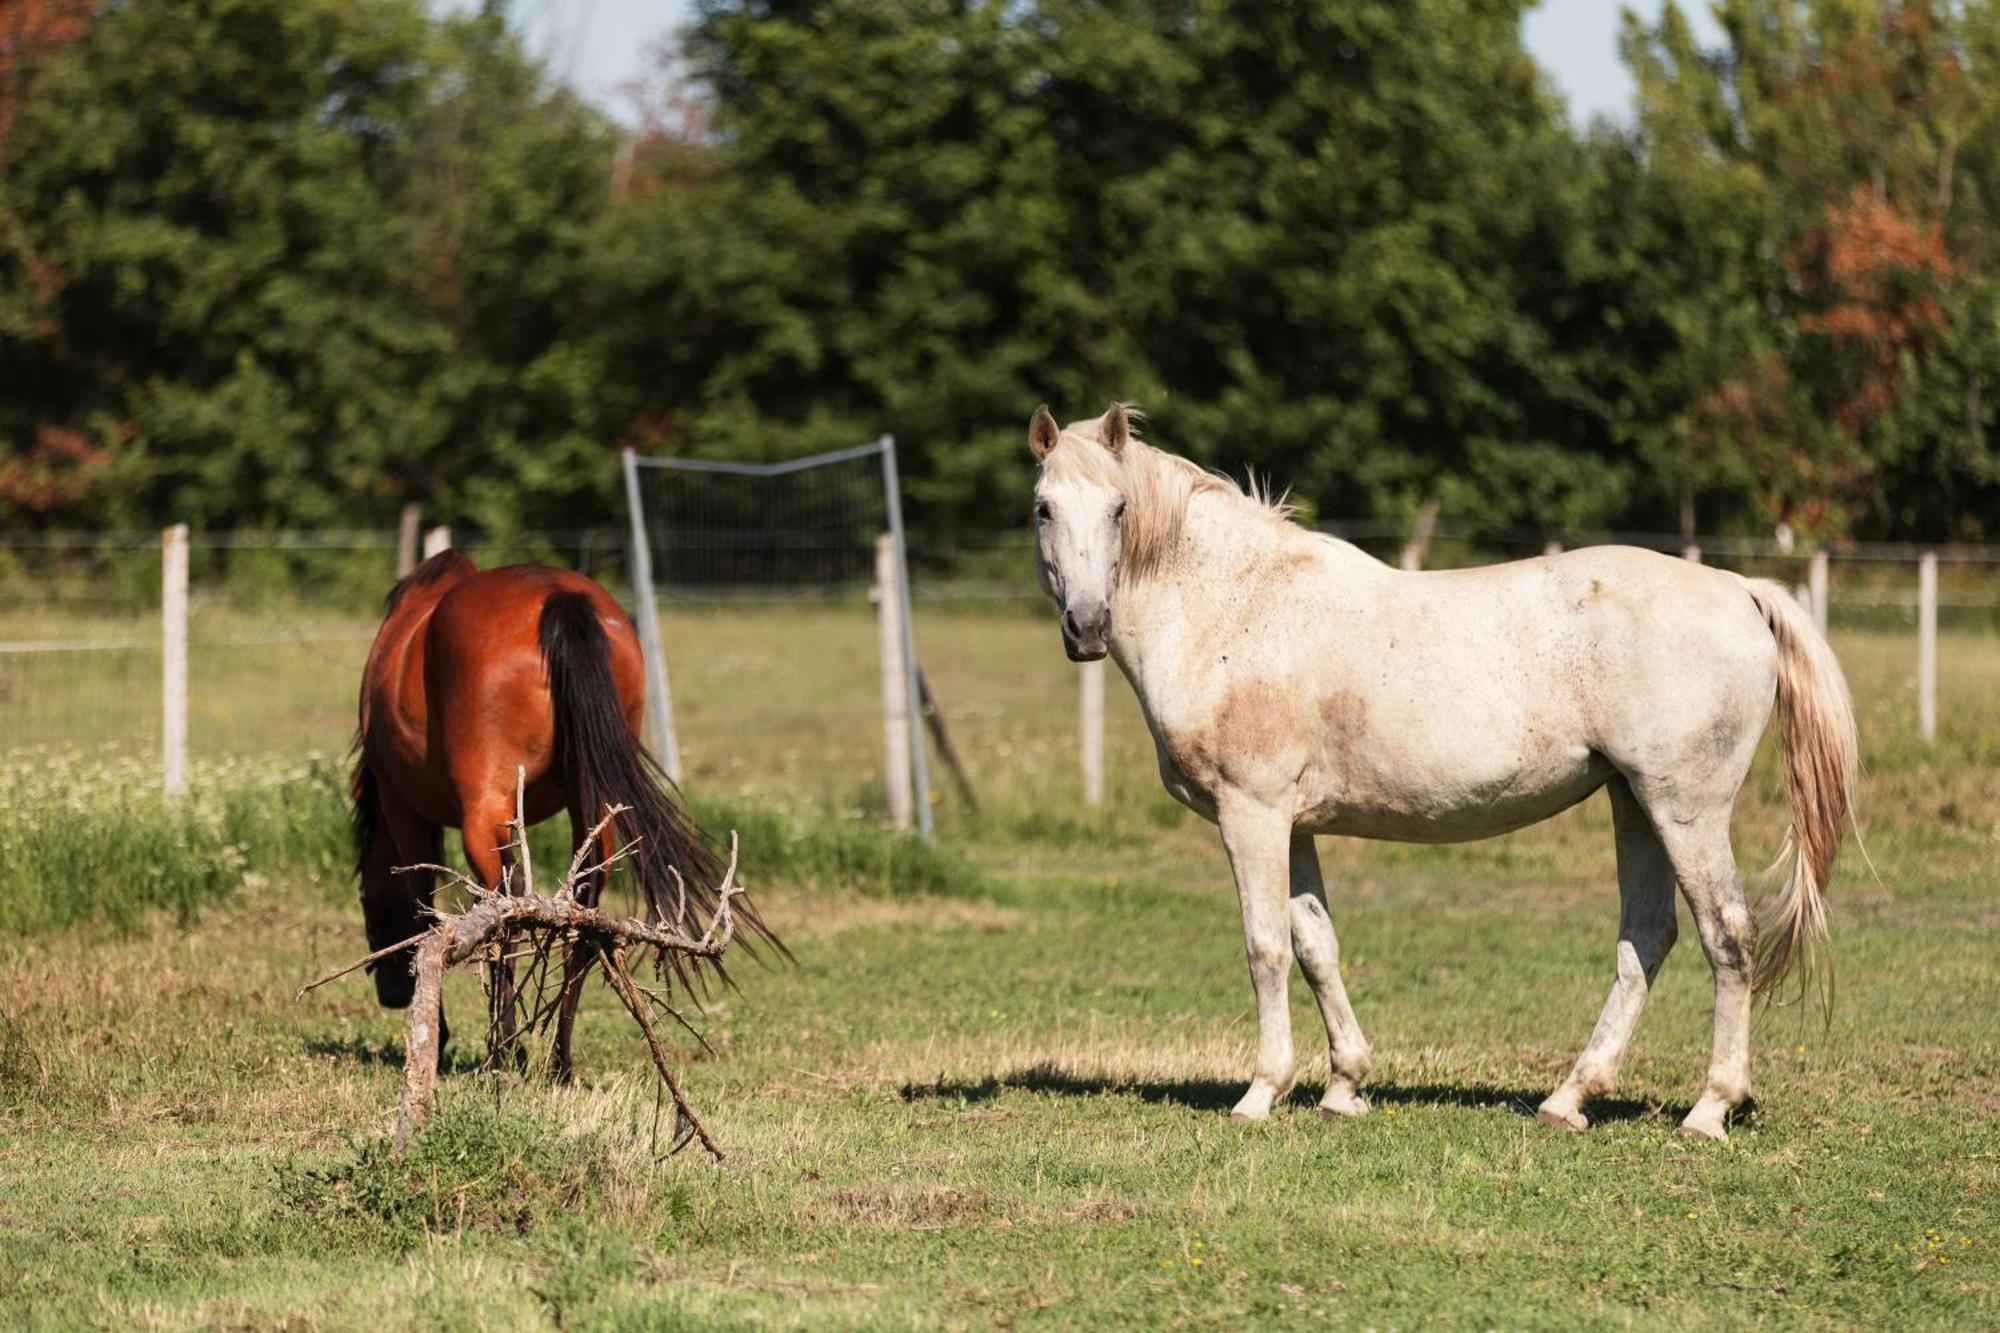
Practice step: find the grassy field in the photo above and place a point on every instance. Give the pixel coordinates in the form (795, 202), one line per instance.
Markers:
(993, 1090)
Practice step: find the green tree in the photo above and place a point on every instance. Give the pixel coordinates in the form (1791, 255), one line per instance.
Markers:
(878, 241)
(1351, 259)
(1816, 196)
(1331, 239)
(295, 260)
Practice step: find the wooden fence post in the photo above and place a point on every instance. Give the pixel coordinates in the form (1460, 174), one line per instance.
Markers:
(1420, 534)
(437, 541)
(895, 683)
(1927, 646)
(1092, 718)
(927, 704)
(406, 538)
(1817, 587)
(173, 656)
(1816, 582)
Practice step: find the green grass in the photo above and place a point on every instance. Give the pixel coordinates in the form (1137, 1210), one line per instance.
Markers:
(84, 838)
(94, 840)
(993, 1089)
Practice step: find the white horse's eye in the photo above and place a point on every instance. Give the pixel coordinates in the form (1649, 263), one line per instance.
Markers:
(1041, 511)
(1119, 511)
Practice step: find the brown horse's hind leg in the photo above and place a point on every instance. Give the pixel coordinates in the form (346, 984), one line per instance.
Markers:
(487, 853)
(577, 962)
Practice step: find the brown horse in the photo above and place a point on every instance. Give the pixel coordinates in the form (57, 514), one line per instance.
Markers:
(474, 678)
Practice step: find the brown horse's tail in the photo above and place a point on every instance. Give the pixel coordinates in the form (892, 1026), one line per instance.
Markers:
(603, 764)
(1821, 760)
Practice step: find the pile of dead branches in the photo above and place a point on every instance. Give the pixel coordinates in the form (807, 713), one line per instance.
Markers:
(514, 923)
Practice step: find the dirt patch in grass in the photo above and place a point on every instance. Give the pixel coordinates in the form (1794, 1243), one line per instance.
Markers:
(1100, 1210)
(908, 1207)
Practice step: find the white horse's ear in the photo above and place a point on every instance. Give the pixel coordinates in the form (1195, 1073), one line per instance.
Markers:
(1042, 432)
(1114, 429)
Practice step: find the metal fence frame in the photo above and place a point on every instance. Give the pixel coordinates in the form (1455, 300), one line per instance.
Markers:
(659, 697)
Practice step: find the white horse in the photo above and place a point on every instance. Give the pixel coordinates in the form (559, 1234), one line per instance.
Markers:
(1295, 685)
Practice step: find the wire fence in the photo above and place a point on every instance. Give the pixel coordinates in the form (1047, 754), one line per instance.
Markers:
(279, 622)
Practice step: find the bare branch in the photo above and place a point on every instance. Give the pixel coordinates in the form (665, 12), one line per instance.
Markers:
(590, 844)
(621, 981)
(520, 823)
(513, 921)
(356, 966)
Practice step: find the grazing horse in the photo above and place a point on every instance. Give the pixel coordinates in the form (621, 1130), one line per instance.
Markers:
(1295, 685)
(477, 681)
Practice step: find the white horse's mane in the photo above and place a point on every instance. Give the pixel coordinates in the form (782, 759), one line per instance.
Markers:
(1157, 487)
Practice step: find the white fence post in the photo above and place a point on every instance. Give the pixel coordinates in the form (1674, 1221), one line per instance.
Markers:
(892, 499)
(173, 657)
(1816, 584)
(1092, 718)
(1927, 646)
(1691, 553)
(659, 695)
(406, 538)
(437, 541)
(895, 681)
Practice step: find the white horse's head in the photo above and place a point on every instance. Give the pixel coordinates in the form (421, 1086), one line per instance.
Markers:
(1080, 506)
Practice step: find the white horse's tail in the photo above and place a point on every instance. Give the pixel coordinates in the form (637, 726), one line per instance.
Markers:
(1821, 756)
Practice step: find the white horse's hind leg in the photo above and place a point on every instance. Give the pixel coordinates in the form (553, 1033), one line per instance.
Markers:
(1646, 932)
(1318, 950)
(1257, 840)
(1714, 892)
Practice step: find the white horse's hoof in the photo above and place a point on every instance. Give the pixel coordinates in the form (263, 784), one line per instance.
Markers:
(1342, 1102)
(1251, 1108)
(1556, 1117)
(1256, 1102)
(1708, 1120)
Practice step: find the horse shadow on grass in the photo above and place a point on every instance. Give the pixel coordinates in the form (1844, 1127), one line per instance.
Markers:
(1207, 1094)
(388, 1052)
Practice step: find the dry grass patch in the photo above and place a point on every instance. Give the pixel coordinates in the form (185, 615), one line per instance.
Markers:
(907, 1207)
(824, 916)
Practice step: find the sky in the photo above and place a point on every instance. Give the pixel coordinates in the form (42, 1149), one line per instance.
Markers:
(1576, 41)
(599, 46)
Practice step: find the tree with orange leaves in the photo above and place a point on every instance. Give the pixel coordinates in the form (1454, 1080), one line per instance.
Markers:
(1837, 153)
(31, 28)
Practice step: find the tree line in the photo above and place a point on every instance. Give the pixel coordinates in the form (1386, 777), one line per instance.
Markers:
(291, 263)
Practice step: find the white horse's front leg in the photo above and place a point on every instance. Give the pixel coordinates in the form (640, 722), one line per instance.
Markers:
(1258, 841)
